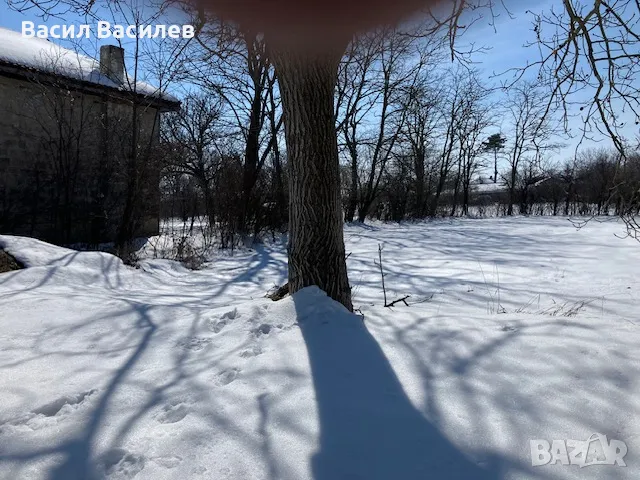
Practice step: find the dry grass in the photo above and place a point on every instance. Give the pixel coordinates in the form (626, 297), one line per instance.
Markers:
(8, 263)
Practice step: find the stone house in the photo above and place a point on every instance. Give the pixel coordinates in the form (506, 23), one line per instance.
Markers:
(79, 144)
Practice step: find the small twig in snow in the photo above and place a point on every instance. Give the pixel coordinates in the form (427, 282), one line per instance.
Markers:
(403, 300)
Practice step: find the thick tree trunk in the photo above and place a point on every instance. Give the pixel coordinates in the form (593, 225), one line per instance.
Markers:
(316, 243)
(250, 168)
(363, 209)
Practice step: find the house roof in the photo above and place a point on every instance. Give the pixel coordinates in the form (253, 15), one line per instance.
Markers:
(41, 55)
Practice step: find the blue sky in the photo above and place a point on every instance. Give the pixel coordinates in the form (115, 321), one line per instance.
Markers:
(506, 43)
(508, 51)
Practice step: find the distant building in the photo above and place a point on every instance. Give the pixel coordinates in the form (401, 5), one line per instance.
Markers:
(78, 143)
(490, 188)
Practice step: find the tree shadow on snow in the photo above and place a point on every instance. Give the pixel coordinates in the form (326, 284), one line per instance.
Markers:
(369, 429)
(77, 452)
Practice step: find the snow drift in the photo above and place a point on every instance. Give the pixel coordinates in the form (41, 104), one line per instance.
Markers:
(163, 373)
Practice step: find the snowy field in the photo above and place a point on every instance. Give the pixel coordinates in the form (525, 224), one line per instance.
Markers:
(516, 329)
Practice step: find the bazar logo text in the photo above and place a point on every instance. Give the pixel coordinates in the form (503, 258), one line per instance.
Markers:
(584, 453)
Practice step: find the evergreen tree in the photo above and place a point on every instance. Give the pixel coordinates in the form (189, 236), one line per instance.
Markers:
(494, 144)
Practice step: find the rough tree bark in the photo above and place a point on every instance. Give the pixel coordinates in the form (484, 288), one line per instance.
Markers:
(316, 244)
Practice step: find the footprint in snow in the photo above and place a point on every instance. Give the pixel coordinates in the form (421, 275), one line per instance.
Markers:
(169, 461)
(51, 409)
(266, 329)
(231, 314)
(252, 351)
(263, 329)
(227, 376)
(194, 344)
(172, 412)
(216, 326)
(43, 416)
(118, 464)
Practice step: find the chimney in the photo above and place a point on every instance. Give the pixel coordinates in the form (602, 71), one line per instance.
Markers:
(112, 62)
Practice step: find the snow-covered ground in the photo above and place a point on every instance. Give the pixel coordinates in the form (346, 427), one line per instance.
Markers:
(516, 330)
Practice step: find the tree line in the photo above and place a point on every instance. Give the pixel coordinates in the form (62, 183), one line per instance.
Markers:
(416, 140)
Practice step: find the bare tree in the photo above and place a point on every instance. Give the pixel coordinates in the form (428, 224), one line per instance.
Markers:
(589, 60)
(307, 84)
(474, 119)
(592, 50)
(531, 172)
(355, 99)
(532, 130)
(421, 102)
(233, 62)
(316, 245)
(455, 109)
(194, 135)
(378, 66)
